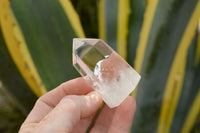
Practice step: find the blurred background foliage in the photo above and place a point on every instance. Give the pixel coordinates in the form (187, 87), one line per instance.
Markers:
(88, 11)
(159, 38)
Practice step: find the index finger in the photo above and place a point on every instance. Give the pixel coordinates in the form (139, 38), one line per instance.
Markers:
(48, 101)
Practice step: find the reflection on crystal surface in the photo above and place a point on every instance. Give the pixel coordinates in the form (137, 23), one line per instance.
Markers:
(109, 74)
(90, 55)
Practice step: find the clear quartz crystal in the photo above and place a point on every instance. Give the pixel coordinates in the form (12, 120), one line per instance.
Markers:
(108, 73)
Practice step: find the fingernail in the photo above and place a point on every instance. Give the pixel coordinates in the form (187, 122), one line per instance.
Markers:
(94, 95)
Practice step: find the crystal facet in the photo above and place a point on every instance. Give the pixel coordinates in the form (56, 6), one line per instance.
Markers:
(108, 73)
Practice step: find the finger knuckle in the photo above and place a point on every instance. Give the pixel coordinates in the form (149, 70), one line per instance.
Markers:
(70, 103)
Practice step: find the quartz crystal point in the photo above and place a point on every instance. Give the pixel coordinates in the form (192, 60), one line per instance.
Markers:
(108, 73)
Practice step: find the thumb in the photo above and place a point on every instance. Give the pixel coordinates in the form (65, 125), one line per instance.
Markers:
(66, 115)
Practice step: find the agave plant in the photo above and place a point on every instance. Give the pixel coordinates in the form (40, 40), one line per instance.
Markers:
(159, 38)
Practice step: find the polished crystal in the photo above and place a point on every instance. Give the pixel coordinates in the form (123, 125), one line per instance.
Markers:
(108, 73)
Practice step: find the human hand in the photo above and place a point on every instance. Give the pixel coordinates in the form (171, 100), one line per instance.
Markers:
(71, 107)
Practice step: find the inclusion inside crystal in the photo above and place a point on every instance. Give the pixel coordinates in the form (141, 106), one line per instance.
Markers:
(108, 73)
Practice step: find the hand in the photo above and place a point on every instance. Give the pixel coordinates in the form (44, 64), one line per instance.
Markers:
(71, 107)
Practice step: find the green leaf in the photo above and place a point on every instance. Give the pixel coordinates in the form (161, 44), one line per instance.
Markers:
(13, 81)
(196, 128)
(87, 11)
(110, 18)
(135, 25)
(190, 89)
(48, 33)
(165, 50)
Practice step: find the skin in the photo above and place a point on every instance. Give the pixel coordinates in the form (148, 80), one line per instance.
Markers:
(71, 107)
